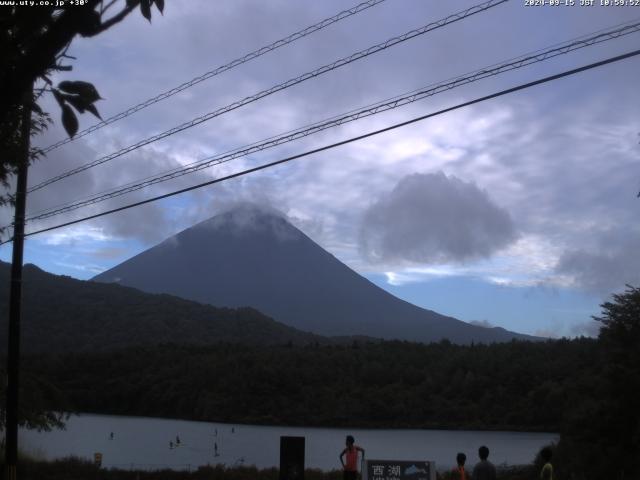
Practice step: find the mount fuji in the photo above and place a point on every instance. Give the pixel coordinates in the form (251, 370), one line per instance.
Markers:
(252, 257)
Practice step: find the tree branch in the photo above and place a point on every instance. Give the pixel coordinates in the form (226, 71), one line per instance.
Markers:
(44, 50)
(116, 18)
(42, 53)
(107, 7)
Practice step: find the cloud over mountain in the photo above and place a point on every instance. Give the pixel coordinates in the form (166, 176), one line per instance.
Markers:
(434, 218)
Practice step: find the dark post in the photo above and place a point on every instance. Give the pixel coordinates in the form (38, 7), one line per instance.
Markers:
(291, 458)
(15, 294)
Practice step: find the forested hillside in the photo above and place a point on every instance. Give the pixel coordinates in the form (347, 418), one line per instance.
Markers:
(516, 385)
(62, 314)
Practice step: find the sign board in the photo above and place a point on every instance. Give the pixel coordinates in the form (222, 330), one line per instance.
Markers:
(97, 459)
(399, 470)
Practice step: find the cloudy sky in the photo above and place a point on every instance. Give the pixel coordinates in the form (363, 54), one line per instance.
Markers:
(519, 212)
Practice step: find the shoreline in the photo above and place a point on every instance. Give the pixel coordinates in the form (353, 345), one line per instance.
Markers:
(497, 429)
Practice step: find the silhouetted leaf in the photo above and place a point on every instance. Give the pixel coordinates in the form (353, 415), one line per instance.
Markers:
(67, 86)
(77, 102)
(160, 5)
(131, 3)
(69, 120)
(92, 108)
(145, 8)
(85, 89)
(58, 96)
(90, 24)
(36, 108)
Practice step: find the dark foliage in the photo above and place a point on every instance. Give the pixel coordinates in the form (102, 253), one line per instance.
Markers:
(34, 42)
(76, 469)
(516, 385)
(601, 435)
(61, 314)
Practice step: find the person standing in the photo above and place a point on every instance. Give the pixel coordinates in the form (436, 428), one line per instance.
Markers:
(547, 469)
(350, 466)
(484, 469)
(459, 472)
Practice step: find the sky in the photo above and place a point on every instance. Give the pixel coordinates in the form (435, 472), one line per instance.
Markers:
(519, 212)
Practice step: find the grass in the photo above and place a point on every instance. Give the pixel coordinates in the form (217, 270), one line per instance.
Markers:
(78, 469)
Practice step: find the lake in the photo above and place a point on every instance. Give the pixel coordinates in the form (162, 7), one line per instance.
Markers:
(144, 443)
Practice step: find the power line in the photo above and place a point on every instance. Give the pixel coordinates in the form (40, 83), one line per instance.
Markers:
(390, 104)
(567, 46)
(289, 83)
(217, 71)
(344, 142)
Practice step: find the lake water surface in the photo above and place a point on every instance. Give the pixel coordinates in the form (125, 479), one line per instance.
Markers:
(144, 443)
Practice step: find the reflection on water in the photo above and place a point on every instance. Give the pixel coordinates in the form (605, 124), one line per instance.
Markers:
(152, 443)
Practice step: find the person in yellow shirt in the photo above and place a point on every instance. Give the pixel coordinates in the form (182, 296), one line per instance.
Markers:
(547, 469)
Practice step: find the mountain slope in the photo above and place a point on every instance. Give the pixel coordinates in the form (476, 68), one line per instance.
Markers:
(251, 257)
(62, 314)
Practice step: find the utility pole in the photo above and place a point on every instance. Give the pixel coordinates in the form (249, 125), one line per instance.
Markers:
(15, 293)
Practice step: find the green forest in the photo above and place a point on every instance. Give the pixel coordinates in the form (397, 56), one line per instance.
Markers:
(62, 314)
(516, 385)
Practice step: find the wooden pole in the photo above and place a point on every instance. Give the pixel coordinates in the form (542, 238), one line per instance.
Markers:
(15, 293)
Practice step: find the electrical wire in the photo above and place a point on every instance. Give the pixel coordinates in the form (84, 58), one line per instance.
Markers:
(386, 105)
(343, 142)
(217, 71)
(289, 83)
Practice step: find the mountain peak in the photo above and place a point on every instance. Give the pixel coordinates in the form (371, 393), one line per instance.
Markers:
(251, 209)
(250, 218)
(250, 255)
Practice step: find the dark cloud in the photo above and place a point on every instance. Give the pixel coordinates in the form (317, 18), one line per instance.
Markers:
(149, 223)
(109, 253)
(55, 163)
(606, 267)
(482, 323)
(434, 218)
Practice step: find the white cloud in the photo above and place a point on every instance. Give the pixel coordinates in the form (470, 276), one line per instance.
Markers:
(84, 267)
(546, 333)
(417, 275)
(75, 235)
(587, 329)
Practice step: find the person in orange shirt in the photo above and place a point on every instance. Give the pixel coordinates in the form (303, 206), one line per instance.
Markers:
(350, 467)
(459, 472)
